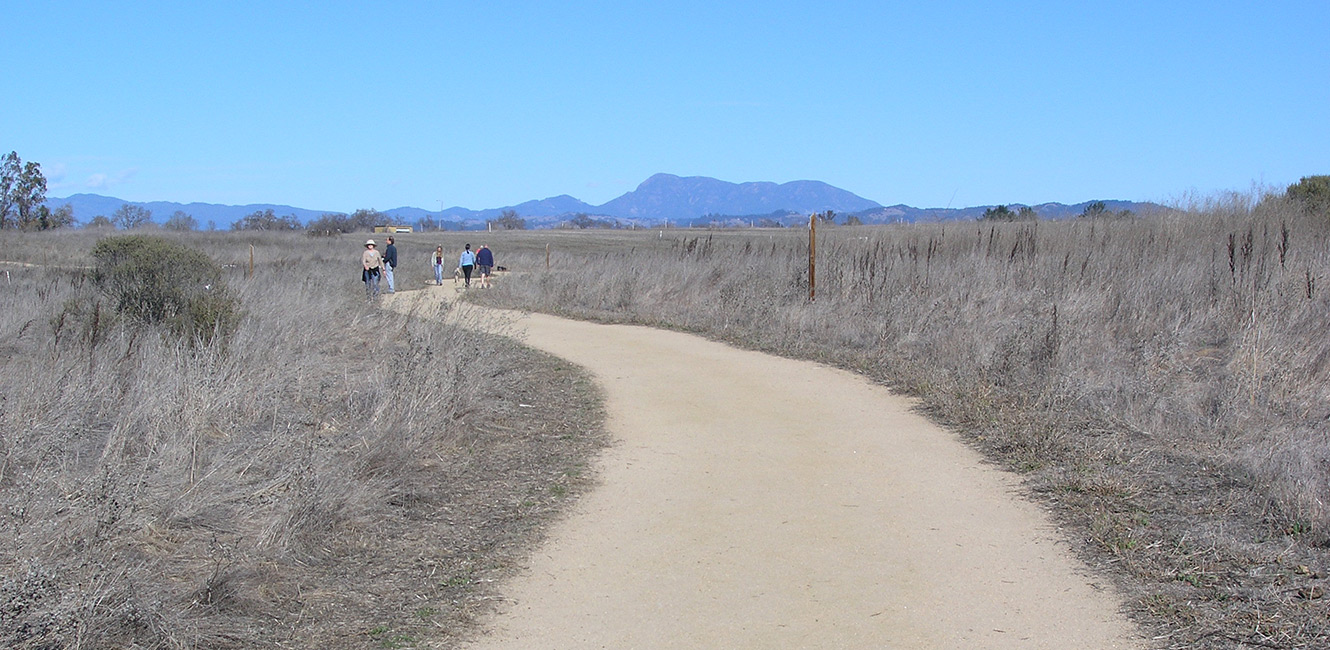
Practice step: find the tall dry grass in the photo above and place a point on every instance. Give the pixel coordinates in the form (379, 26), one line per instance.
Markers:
(1162, 381)
(333, 475)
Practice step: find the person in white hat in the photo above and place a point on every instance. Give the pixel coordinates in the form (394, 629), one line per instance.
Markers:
(372, 260)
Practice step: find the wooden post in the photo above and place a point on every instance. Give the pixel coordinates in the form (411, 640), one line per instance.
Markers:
(547, 257)
(812, 257)
(251, 261)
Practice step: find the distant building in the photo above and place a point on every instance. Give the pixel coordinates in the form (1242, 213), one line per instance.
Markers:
(393, 230)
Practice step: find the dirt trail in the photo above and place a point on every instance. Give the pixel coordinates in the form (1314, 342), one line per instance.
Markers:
(751, 501)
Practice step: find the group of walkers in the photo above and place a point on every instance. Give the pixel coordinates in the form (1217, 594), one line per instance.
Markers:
(378, 264)
(480, 262)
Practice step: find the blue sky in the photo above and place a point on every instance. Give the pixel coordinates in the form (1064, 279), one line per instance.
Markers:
(338, 106)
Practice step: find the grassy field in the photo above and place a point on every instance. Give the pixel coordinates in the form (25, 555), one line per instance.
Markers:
(333, 475)
(1160, 382)
(336, 475)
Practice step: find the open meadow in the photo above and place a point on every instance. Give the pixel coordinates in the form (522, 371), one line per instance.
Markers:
(1160, 382)
(324, 473)
(312, 472)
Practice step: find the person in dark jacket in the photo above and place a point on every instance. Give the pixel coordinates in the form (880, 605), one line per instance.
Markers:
(389, 264)
(484, 264)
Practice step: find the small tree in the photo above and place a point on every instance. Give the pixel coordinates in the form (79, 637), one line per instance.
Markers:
(1026, 213)
(581, 221)
(266, 220)
(129, 217)
(29, 193)
(100, 221)
(509, 220)
(367, 219)
(1095, 210)
(63, 217)
(1313, 192)
(331, 223)
(999, 213)
(181, 221)
(10, 169)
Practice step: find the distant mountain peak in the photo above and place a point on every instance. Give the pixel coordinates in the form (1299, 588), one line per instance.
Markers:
(684, 198)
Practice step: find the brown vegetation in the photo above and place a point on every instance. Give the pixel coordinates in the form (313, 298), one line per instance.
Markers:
(331, 475)
(1161, 382)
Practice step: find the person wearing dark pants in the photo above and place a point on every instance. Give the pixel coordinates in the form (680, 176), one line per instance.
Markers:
(371, 261)
(467, 262)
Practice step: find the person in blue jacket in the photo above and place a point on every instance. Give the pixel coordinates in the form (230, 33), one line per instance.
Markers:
(467, 262)
(484, 264)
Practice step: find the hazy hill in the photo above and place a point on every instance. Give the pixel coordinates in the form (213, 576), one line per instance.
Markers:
(669, 197)
(689, 200)
(87, 206)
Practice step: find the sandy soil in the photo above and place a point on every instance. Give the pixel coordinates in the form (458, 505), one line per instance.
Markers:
(756, 502)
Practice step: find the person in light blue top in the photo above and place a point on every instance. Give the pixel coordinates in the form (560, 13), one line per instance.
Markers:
(467, 262)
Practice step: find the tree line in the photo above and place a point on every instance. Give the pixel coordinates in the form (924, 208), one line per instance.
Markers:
(23, 197)
(23, 207)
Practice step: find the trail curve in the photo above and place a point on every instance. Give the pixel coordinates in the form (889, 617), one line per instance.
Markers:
(751, 501)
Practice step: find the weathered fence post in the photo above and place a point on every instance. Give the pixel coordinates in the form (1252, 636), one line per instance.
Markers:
(547, 257)
(251, 261)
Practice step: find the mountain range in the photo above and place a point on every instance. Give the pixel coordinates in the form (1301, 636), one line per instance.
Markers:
(661, 199)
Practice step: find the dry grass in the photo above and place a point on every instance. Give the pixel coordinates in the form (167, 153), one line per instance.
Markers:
(334, 476)
(1161, 382)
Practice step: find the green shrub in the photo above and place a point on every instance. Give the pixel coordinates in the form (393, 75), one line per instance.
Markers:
(208, 316)
(158, 281)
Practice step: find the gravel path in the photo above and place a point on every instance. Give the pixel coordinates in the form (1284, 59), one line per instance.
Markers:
(751, 501)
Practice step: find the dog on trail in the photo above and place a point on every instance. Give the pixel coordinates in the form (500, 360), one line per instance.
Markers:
(457, 275)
